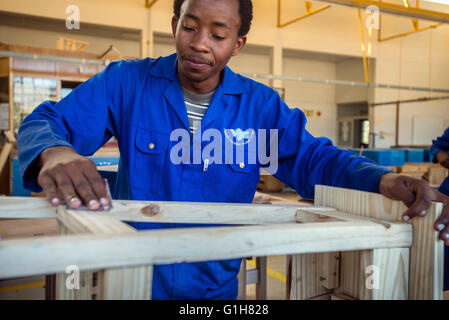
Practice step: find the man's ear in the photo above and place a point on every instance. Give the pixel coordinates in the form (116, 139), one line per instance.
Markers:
(174, 25)
(241, 41)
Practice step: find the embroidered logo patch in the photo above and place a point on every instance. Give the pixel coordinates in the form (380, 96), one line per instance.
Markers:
(238, 136)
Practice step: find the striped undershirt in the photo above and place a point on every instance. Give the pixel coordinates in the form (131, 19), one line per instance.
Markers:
(197, 105)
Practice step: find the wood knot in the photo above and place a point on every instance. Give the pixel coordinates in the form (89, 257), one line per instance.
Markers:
(151, 210)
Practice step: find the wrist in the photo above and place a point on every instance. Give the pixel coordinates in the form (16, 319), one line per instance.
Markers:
(50, 152)
(441, 156)
(384, 179)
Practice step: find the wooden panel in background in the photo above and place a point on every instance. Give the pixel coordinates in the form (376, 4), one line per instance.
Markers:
(4, 67)
(115, 283)
(426, 254)
(305, 282)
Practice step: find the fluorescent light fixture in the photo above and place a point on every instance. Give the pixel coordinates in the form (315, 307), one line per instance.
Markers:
(446, 2)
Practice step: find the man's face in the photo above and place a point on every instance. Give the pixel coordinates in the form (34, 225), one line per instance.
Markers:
(206, 35)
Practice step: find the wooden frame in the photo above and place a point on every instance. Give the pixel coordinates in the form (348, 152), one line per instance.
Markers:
(425, 259)
(99, 242)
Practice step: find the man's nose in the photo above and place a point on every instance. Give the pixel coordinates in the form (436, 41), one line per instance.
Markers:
(200, 42)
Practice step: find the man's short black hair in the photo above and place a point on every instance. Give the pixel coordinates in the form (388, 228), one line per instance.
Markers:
(245, 10)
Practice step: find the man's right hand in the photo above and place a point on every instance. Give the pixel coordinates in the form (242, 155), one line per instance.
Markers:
(65, 174)
(443, 158)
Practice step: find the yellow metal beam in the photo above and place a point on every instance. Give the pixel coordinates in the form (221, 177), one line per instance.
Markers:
(365, 65)
(385, 7)
(415, 24)
(149, 3)
(309, 9)
(409, 32)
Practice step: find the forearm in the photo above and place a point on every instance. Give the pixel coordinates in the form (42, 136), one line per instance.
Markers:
(36, 134)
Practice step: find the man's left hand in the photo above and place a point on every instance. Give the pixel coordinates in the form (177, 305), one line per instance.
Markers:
(417, 196)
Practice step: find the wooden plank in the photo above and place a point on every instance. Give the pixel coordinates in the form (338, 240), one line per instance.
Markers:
(393, 267)
(11, 96)
(242, 281)
(414, 168)
(305, 276)
(4, 155)
(167, 212)
(389, 265)
(118, 283)
(4, 67)
(21, 228)
(305, 216)
(326, 296)
(426, 254)
(10, 136)
(340, 296)
(26, 208)
(46, 255)
(436, 175)
(288, 277)
(329, 270)
(261, 285)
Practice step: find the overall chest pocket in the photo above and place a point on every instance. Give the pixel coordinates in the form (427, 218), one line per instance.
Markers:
(150, 160)
(234, 182)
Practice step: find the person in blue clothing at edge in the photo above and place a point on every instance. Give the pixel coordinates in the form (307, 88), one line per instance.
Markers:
(440, 153)
(141, 102)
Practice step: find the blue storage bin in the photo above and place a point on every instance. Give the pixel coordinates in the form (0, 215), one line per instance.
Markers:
(105, 161)
(383, 157)
(414, 155)
(397, 158)
(427, 155)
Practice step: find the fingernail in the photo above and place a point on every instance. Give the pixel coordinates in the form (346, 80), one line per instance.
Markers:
(75, 201)
(423, 213)
(103, 201)
(406, 218)
(55, 201)
(440, 227)
(446, 235)
(93, 204)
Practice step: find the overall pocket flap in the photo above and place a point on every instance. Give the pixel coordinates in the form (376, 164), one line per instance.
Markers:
(151, 142)
(240, 167)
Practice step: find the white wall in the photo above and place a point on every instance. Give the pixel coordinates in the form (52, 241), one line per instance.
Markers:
(250, 60)
(351, 70)
(311, 95)
(163, 46)
(421, 59)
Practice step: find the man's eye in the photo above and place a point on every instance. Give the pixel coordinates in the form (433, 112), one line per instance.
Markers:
(188, 28)
(218, 37)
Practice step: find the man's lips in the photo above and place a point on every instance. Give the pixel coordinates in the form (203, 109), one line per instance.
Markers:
(197, 63)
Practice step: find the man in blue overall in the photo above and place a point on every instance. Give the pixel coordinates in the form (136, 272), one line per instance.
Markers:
(440, 153)
(142, 102)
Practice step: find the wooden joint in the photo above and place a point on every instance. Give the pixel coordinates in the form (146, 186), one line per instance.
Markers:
(305, 216)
